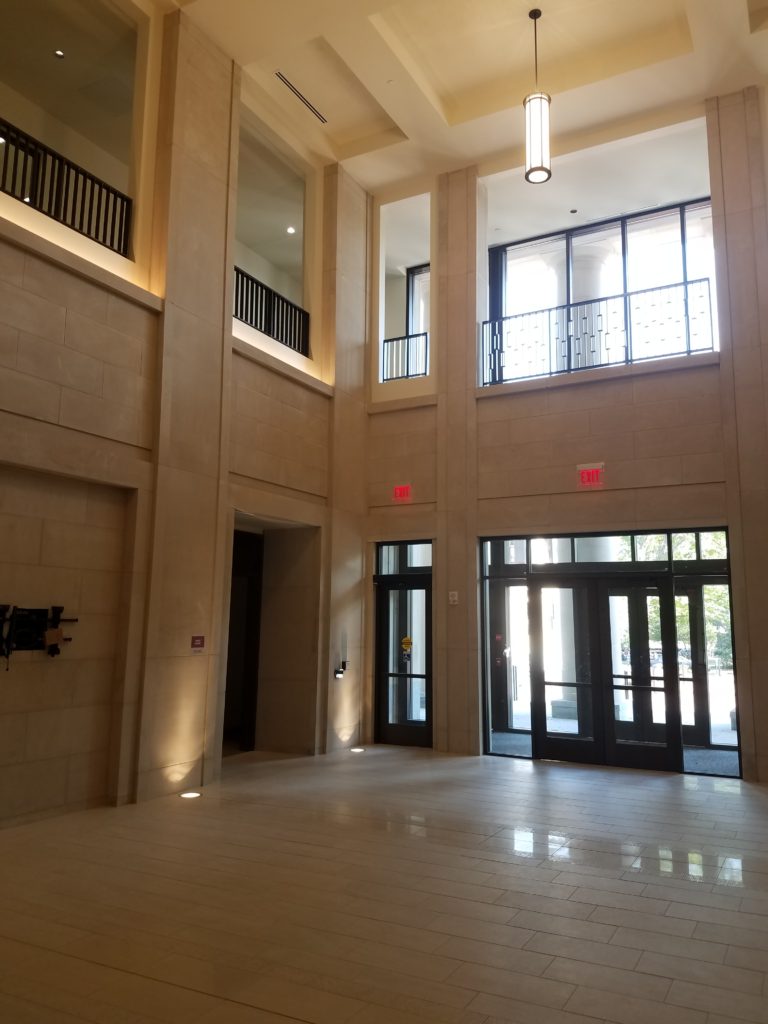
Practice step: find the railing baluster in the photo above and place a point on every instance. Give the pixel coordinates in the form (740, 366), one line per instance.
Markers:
(584, 334)
(63, 191)
(263, 309)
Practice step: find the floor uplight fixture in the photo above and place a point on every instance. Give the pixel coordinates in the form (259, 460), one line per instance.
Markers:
(536, 106)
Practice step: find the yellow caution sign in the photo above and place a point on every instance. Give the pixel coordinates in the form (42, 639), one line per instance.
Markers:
(406, 643)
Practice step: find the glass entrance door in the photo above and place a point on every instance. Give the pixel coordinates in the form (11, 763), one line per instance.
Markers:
(640, 679)
(567, 724)
(604, 673)
(404, 661)
(707, 684)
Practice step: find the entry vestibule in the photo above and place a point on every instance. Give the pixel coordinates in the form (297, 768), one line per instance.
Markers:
(611, 650)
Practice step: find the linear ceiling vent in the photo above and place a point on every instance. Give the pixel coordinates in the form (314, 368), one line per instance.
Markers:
(302, 97)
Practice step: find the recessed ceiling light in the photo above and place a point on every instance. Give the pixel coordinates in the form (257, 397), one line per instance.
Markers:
(26, 199)
(291, 230)
(190, 795)
(357, 750)
(2, 140)
(574, 210)
(58, 53)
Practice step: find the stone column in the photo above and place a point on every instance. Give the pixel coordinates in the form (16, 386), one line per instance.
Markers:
(345, 319)
(461, 269)
(737, 174)
(189, 522)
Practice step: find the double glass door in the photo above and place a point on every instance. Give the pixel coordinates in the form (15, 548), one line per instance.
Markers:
(603, 672)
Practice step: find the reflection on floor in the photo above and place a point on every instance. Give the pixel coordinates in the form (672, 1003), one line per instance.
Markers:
(695, 759)
(711, 762)
(395, 887)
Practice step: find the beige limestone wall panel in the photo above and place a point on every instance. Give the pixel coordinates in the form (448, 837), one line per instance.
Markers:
(65, 340)
(462, 256)
(280, 429)
(347, 232)
(402, 522)
(266, 503)
(740, 220)
(62, 542)
(190, 518)
(402, 449)
(660, 430)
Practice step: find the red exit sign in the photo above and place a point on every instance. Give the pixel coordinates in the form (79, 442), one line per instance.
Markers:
(591, 476)
(401, 492)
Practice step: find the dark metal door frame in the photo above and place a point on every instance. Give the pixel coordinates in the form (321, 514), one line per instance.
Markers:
(404, 732)
(606, 742)
(660, 747)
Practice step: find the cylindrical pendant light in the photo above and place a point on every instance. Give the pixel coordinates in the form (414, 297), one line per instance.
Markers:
(536, 105)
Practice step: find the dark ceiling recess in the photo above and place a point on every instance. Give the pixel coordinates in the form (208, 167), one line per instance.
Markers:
(300, 96)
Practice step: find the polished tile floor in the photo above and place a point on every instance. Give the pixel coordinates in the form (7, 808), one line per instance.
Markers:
(395, 887)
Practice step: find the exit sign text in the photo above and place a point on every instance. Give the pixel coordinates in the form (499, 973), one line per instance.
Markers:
(401, 492)
(591, 476)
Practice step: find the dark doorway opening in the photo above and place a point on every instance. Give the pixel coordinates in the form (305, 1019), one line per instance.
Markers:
(243, 647)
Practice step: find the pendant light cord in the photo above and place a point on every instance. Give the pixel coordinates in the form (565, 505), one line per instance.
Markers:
(534, 15)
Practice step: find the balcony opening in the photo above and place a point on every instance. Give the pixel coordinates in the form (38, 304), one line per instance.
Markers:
(405, 243)
(269, 243)
(636, 288)
(67, 84)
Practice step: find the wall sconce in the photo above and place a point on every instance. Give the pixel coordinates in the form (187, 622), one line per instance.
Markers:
(340, 670)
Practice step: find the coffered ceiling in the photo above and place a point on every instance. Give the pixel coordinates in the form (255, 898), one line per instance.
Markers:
(416, 87)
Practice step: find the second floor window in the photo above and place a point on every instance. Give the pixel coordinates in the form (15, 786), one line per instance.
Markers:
(639, 287)
(417, 316)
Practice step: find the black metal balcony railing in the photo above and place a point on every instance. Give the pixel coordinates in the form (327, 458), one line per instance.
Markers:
(406, 357)
(650, 324)
(262, 308)
(48, 182)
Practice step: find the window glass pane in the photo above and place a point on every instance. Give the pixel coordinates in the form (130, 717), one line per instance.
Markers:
(597, 268)
(713, 545)
(418, 305)
(700, 269)
(651, 547)
(550, 550)
(514, 552)
(654, 251)
(719, 654)
(536, 276)
(388, 559)
(603, 549)
(485, 556)
(419, 555)
(684, 547)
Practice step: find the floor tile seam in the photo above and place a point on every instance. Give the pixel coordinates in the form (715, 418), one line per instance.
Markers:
(519, 997)
(616, 942)
(500, 945)
(641, 969)
(285, 971)
(585, 960)
(609, 968)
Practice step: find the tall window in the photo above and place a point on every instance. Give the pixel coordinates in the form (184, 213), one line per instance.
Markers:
(404, 296)
(640, 287)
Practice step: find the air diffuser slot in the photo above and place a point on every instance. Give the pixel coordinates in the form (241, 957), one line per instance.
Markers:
(301, 96)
